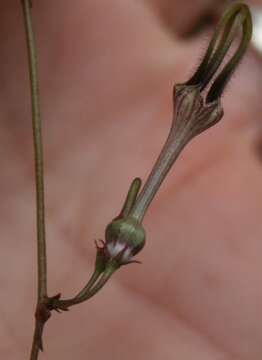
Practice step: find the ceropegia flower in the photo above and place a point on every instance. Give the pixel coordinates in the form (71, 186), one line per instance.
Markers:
(193, 114)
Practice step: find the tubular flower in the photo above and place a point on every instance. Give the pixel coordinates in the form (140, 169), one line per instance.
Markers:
(193, 114)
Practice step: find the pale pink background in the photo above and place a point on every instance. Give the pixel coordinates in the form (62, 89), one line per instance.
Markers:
(106, 70)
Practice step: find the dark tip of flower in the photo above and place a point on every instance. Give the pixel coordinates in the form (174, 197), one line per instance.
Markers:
(238, 15)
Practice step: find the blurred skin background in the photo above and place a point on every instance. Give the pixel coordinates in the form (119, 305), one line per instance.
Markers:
(107, 69)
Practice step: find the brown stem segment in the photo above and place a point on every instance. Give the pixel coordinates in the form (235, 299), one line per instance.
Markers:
(39, 176)
(38, 151)
(35, 346)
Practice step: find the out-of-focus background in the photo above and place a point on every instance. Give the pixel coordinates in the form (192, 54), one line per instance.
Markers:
(107, 69)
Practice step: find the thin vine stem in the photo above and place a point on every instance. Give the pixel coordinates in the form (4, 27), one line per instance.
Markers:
(39, 173)
(38, 151)
(35, 346)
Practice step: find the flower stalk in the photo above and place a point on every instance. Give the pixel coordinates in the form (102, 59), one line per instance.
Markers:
(125, 237)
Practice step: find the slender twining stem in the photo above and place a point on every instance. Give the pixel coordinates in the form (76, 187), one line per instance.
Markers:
(38, 151)
(35, 347)
(39, 176)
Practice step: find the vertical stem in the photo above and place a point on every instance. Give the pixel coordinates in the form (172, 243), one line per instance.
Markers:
(39, 175)
(38, 151)
(35, 346)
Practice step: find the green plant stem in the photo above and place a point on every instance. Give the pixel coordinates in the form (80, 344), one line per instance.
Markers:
(38, 151)
(88, 293)
(39, 172)
(35, 346)
(90, 283)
